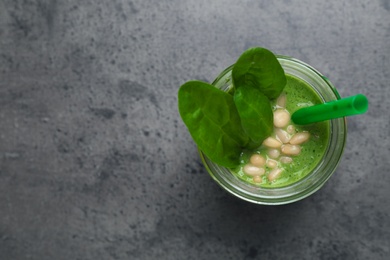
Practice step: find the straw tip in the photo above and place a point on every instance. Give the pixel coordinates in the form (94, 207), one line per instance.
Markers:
(360, 103)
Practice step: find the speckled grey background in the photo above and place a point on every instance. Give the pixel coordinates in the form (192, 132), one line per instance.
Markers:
(95, 162)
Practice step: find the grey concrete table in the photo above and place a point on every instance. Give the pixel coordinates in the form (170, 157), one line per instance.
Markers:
(95, 162)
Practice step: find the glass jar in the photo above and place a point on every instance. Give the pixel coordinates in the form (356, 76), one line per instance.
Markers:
(313, 180)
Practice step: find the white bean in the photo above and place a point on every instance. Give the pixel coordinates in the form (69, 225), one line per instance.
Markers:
(272, 142)
(286, 159)
(283, 136)
(252, 170)
(291, 149)
(257, 160)
(271, 163)
(274, 174)
(300, 138)
(281, 101)
(257, 179)
(281, 118)
(273, 153)
(291, 129)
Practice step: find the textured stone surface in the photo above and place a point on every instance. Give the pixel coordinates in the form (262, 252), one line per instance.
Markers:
(95, 162)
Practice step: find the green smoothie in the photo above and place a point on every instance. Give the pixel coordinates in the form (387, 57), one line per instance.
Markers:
(242, 126)
(298, 94)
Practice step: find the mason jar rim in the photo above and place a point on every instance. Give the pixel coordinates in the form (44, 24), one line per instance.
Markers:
(323, 171)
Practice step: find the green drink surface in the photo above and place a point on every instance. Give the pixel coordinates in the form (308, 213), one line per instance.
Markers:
(299, 94)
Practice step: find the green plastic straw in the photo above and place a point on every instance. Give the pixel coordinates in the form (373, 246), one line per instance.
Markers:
(348, 106)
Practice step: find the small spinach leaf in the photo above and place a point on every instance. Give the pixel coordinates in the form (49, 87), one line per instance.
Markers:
(255, 112)
(213, 122)
(259, 68)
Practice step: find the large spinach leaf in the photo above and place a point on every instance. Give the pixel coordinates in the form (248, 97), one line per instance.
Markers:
(259, 68)
(255, 112)
(213, 122)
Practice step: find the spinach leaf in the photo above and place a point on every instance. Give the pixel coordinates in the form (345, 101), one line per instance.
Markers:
(213, 122)
(259, 68)
(255, 112)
